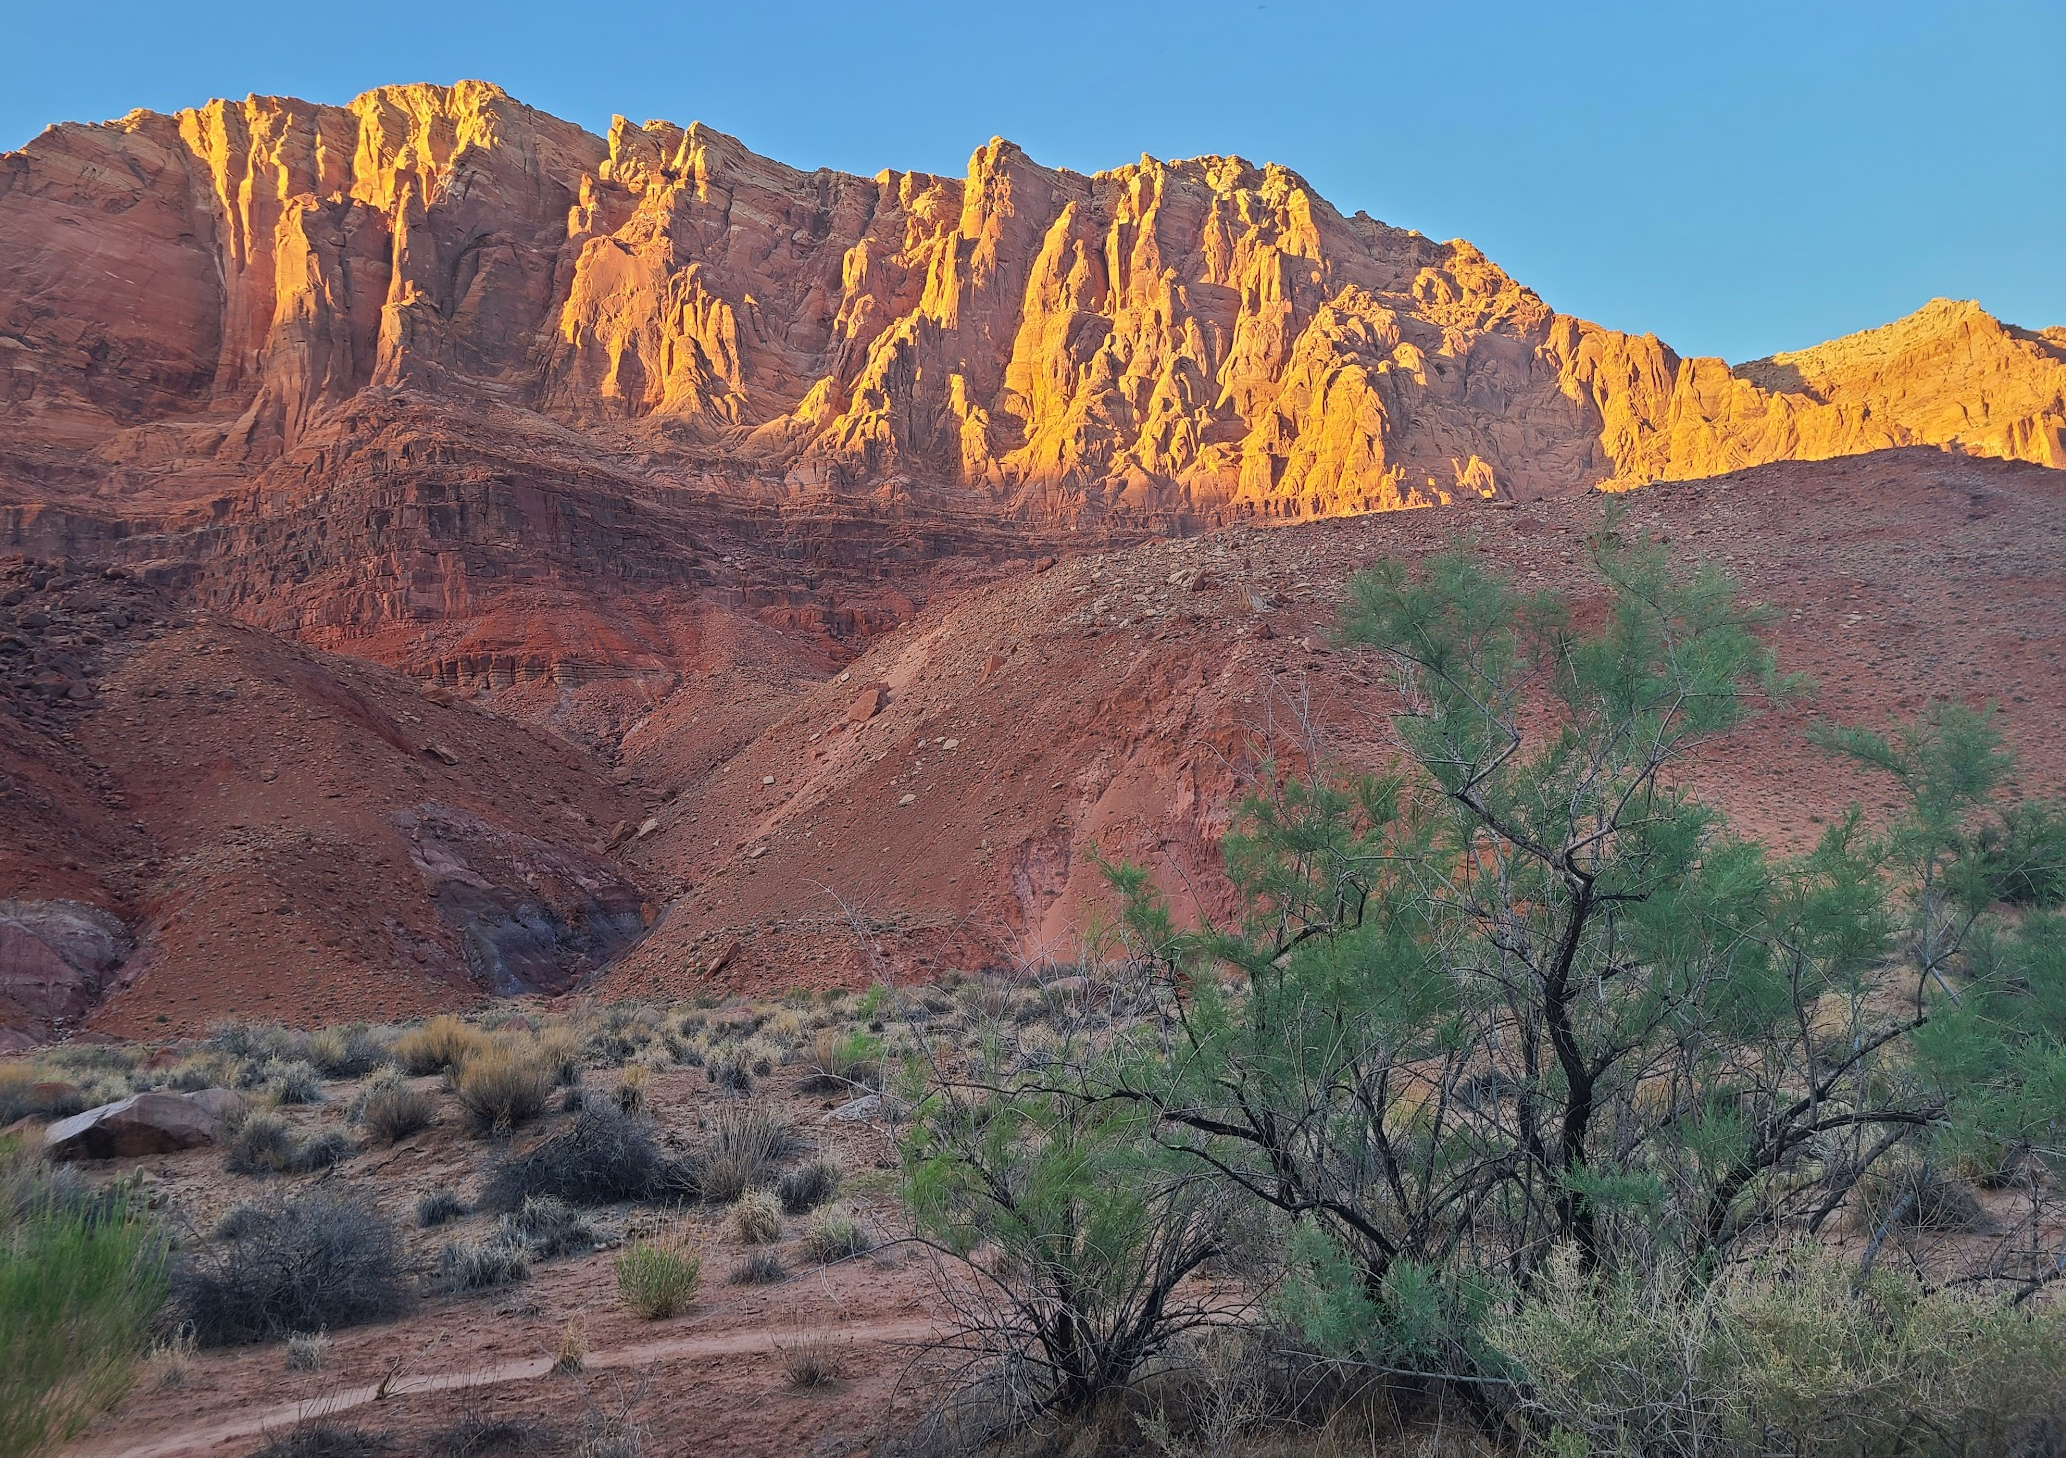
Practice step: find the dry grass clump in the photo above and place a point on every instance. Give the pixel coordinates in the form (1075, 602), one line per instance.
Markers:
(325, 1440)
(658, 1281)
(1914, 1197)
(631, 1091)
(812, 1361)
(441, 1045)
(440, 1206)
(169, 1361)
(352, 1051)
(835, 1235)
(307, 1350)
(809, 1185)
(746, 1142)
(845, 1061)
(757, 1218)
(760, 1268)
(546, 1227)
(291, 1081)
(599, 1158)
(21, 1097)
(572, 1355)
(392, 1110)
(502, 1085)
(469, 1265)
(558, 1049)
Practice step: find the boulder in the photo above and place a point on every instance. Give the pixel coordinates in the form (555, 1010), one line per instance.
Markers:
(868, 703)
(145, 1123)
(221, 1105)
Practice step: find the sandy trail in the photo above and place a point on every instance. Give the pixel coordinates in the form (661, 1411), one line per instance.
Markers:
(201, 1438)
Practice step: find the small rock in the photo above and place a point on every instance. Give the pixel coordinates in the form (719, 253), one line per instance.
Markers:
(647, 826)
(756, 853)
(439, 752)
(865, 707)
(767, 779)
(908, 800)
(950, 744)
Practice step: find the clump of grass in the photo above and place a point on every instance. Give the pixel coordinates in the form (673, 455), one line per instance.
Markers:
(759, 1268)
(441, 1045)
(746, 1141)
(476, 1435)
(558, 1049)
(500, 1087)
(203, 1068)
(392, 1110)
(810, 1362)
(322, 1150)
(307, 1350)
(657, 1281)
(757, 1218)
(546, 1227)
(1914, 1197)
(21, 1096)
(631, 1091)
(261, 1144)
(440, 1206)
(79, 1281)
(352, 1051)
(324, 1261)
(324, 1440)
(601, 1157)
(291, 1082)
(468, 1265)
(835, 1235)
(847, 1061)
(572, 1355)
(809, 1185)
(169, 1361)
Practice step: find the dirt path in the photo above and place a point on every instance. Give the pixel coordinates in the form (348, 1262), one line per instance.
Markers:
(201, 1438)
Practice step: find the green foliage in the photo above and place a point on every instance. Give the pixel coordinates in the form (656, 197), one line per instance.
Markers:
(80, 1280)
(1528, 993)
(1791, 1356)
(1087, 1227)
(657, 1281)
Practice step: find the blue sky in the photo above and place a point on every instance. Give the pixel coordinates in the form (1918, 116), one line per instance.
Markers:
(1738, 178)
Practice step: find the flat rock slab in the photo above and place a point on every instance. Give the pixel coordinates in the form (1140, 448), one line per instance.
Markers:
(145, 1123)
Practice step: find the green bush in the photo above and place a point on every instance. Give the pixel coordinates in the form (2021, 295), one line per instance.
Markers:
(1788, 1357)
(80, 1280)
(657, 1281)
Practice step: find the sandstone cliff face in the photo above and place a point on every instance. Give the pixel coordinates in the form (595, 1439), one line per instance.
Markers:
(1168, 342)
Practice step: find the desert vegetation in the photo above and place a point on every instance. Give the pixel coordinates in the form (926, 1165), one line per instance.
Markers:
(1524, 1107)
(1531, 1097)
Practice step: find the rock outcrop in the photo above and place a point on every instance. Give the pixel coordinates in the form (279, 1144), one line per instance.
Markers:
(1193, 340)
(145, 1123)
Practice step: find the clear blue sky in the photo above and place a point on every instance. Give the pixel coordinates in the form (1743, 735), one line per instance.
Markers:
(1738, 178)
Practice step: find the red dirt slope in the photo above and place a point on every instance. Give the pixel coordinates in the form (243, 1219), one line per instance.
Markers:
(1109, 702)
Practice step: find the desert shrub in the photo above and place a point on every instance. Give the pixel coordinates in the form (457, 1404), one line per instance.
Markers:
(261, 1144)
(835, 1235)
(318, 1439)
(352, 1051)
(547, 1227)
(470, 1265)
(599, 1158)
(758, 1268)
(203, 1068)
(657, 1281)
(631, 1091)
(610, 1435)
(440, 1206)
(393, 1110)
(1782, 1357)
(746, 1140)
(1911, 1196)
(501, 1086)
(809, 1185)
(79, 1283)
(19, 1100)
(321, 1262)
(843, 1061)
(476, 1435)
(811, 1361)
(2025, 854)
(441, 1045)
(558, 1049)
(307, 1350)
(729, 1071)
(321, 1150)
(255, 1043)
(169, 1361)
(292, 1081)
(757, 1218)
